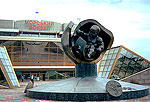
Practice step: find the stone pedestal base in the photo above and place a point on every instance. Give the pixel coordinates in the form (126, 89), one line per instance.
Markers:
(85, 89)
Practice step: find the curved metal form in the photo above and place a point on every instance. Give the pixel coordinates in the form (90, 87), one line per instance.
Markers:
(75, 46)
(65, 41)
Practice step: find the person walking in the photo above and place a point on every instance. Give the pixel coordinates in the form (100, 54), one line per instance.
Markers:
(22, 78)
(32, 78)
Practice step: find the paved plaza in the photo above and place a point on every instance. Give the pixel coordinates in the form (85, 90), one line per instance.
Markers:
(18, 95)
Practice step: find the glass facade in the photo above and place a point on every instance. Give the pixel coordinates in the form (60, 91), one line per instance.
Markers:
(35, 52)
(128, 64)
(120, 62)
(107, 62)
(45, 75)
(7, 68)
(43, 35)
(8, 34)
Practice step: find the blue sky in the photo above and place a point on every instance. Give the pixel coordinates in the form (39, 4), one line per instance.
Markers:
(129, 20)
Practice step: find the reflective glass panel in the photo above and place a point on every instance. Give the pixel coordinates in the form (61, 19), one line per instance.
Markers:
(122, 73)
(44, 35)
(145, 64)
(10, 69)
(100, 74)
(13, 77)
(104, 74)
(35, 35)
(7, 62)
(104, 57)
(101, 68)
(107, 74)
(111, 51)
(129, 54)
(9, 75)
(114, 56)
(109, 68)
(2, 50)
(116, 50)
(13, 82)
(5, 56)
(109, 56)
(107, 52)
(52, 36)
(1, 56)
(123, 51)
(3, 62)
(6, 68)
(107, 62)
(103, 62)
(127, 63)
(30, 35)
(24, 35)
(105, 68)
(111, 62)
(115, 71)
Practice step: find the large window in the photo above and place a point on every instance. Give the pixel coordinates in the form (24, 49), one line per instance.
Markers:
(8, 34)
(36, 52)
(107, 62)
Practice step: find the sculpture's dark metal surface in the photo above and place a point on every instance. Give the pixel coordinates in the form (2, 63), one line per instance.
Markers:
(88, 43)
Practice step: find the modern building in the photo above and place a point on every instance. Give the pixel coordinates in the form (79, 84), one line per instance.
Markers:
(120, 62)
(34, 48)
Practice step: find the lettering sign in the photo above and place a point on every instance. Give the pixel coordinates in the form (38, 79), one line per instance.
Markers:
(37, 25)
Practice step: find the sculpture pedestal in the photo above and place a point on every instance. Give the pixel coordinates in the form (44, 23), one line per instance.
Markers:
(84, 89)
(85, 70)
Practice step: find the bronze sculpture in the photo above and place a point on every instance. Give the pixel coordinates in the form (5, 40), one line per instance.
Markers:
(85, 47)
(94, 43)
(88, 43)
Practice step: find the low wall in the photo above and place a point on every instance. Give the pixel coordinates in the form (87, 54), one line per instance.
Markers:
(142, 77)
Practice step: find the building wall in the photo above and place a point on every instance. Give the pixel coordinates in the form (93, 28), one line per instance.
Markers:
(7, 24)
(142, 77)
(44, 59)
(31, 52)
(38, 26)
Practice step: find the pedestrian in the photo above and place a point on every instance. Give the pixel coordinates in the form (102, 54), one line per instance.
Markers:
(22, 78)
(38, 78)
(32, 78)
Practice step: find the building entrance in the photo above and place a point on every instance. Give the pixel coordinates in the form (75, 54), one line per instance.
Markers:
(44, 76)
